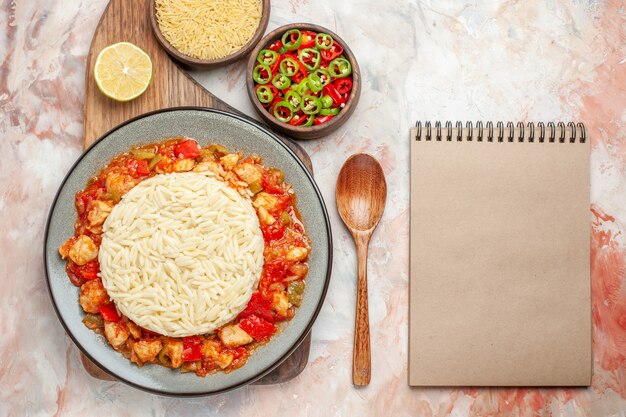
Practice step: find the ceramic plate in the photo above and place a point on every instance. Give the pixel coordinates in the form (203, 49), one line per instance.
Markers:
(207, 126)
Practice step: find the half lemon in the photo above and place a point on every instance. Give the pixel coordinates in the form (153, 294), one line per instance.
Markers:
(123, 71)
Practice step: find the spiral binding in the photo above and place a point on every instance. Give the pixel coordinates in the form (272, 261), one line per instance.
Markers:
(520, 132)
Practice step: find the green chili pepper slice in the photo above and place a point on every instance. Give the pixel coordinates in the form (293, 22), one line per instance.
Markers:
(267, 57)
(262, 74)
(265, 94)
(310, 58)
(333, 111)
(340, 68)
(315, 83)
(303, 88)
(292, 39)
(281, 81)
(324, 41)
(327, 102)
(283, 111)
(293, 98)
(324, 75)
(289, 66)
(310, 104)
(310, 121)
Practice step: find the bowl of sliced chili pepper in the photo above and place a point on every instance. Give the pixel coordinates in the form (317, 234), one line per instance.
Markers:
(303, 80)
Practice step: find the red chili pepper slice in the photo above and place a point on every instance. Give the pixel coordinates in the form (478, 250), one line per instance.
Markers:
(258, 306)
(331, 91)
(298, 120)
(322, 120)
(343, 85)
(332, 53)
(275, 46)
(192, 348)
(257, 327)
(187, 149)
(308, 39)
(109, 312)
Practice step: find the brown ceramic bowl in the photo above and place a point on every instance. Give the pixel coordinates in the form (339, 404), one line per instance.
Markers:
(300, 132)
(210, 63)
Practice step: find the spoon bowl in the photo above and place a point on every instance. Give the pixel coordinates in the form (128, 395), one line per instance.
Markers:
(361, 194)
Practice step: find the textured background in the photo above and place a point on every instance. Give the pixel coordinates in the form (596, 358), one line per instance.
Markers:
(536, 60)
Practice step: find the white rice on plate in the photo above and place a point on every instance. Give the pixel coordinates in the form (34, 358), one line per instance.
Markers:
(181, 254)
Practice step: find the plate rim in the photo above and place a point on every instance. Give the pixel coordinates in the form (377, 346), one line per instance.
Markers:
(316, 312)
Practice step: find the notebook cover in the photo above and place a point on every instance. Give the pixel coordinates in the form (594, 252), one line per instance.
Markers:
(499, 264)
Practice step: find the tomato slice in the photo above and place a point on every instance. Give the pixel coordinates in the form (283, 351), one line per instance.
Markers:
(273, 231)
(137, 167)
(258, 328)
(269, 183)
(192, 348)
(187, 149)
(258, 306)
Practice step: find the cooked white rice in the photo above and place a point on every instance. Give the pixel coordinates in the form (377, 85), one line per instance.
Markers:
(181, 254)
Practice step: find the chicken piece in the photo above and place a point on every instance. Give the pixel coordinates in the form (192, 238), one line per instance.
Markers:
(212, 350)
(248, 172)
(116, 333)
(92, 295)
(64, 249)
(229, 161)
(80, 250)
(118, 184)
(147, 349)
(297, 254)
(265, 217)
(281, 303)
(265, 200)
(174, 351)
(183, 165)
(214, 167)
(134, 330)
(100, 210)
(232, 336)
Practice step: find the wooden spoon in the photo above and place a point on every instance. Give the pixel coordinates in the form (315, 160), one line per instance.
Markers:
(361, 193)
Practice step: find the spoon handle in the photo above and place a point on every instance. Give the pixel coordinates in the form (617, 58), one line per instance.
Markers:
(361, 361)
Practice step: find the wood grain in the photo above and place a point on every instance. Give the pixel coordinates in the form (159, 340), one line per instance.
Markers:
(361, 194)
(129, 20)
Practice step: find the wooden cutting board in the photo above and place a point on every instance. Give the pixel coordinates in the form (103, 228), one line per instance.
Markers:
(171, 86)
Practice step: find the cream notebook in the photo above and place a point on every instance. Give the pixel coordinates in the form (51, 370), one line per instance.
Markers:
(499, 255)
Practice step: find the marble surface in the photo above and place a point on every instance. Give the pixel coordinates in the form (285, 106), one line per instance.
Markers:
(438, 60)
